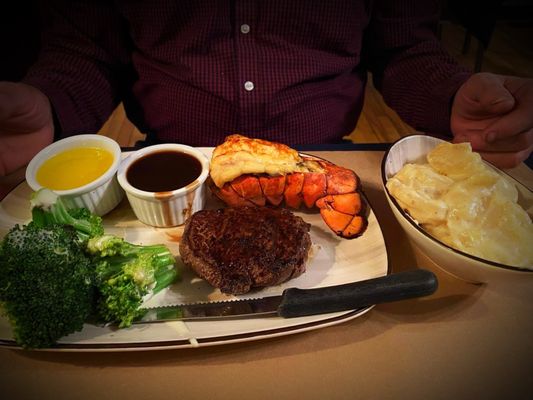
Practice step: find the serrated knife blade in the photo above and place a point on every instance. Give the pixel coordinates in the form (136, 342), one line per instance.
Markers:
(294, 302)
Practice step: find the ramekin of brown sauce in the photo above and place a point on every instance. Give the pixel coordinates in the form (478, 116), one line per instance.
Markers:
(165, 183)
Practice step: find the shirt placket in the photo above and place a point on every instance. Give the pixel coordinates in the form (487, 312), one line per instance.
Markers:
(248, 81)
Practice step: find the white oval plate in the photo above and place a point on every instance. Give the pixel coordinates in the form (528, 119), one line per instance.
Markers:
(334, 261)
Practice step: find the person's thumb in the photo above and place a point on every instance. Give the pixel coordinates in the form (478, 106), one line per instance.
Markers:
(23, 108)
(13, 97)
(483, 95)
(26, 125)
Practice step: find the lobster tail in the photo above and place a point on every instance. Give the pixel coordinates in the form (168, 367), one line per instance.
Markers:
(312, 181)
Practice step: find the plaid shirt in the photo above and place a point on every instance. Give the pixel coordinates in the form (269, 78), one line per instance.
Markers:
(287, 70)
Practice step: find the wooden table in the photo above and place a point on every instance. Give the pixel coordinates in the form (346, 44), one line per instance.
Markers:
(464, 342)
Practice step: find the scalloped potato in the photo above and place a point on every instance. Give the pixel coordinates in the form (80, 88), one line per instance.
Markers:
(461, 201)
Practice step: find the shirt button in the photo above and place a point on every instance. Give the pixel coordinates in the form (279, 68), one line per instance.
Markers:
(249, 86)
(245, 28)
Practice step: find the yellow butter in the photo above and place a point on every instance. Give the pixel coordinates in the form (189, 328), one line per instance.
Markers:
(74, 168)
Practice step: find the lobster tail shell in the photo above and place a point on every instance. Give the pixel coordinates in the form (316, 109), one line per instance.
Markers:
(273, 188)
(314, 188)
(293, 190)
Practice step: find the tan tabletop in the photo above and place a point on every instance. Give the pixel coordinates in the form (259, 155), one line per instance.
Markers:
(464, 342)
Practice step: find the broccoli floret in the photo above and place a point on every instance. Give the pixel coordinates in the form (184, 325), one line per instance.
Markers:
(48, 208)
(46, 283)
(127, 274)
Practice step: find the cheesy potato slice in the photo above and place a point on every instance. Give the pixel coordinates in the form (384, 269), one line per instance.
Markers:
(419, 190)
(456, 161)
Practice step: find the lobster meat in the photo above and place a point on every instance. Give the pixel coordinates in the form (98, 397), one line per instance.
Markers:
(248, 172)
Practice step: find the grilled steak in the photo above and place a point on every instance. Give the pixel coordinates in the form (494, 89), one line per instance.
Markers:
(237, 249)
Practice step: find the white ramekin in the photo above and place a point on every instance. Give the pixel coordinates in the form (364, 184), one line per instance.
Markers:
(99, 196)
(165, 209)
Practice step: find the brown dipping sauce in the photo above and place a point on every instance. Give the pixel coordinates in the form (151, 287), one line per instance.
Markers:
(163, 171)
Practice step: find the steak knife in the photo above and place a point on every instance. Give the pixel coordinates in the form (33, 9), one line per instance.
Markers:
(294, 302)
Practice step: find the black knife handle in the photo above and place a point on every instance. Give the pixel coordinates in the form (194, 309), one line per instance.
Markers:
(350, 296)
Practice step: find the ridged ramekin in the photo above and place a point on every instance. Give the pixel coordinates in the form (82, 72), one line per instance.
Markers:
(99, 196)
(170, 208)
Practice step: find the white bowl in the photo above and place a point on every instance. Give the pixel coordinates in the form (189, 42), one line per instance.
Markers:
(413, 149)
(99, 196)
(169, 208)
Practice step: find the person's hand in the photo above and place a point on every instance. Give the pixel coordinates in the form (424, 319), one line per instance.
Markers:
(495, 114)
(26, 125)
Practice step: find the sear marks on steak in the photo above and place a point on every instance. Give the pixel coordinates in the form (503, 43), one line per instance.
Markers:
(237, 249)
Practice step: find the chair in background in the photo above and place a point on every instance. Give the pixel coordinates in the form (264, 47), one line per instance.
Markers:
(479, 19)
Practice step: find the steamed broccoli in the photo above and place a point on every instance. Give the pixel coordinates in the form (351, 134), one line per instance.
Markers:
(126, 274)
(46, 283)
(61, 269)
(48, 208)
